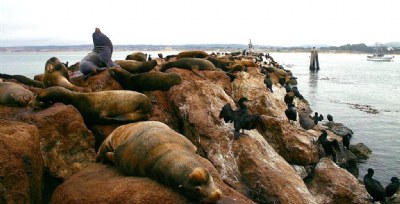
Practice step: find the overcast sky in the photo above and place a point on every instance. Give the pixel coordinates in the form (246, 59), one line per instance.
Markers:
(279, 22)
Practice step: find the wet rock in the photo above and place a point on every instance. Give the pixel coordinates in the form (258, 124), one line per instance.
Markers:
(361, 151)
(66, 144)
(337, 128)
(21, 163)
(331, 184)
(102, 183)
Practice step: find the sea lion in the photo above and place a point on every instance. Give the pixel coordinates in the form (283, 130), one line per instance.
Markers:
(23, 80)
(138, 56)
(152, 149)
(220, 63)
(305, 120)
(193, 64)
(150, 81)
(56, 74)
(12, 94)
(134, 66)
(100, 58)
(98, 107)
(192, 54)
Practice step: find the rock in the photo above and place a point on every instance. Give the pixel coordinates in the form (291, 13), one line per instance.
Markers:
(294, 144)
(331, 184)
(302, 171)
(241, 166)
(163, 109)
(338, 128)
(65, 142)
(395, 199)
(361, 151)
(21, 163)
(102, 183)
(99, 82)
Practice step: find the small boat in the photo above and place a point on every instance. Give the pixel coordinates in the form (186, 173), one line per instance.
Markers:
(379, 56)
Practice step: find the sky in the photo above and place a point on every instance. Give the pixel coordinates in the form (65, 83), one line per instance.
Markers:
(177, 22)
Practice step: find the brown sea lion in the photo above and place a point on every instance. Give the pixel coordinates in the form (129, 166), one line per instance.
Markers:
(150, 81)
(12, 94)
(56, 74)
(138, 56)
(193, 64)
(134, 66)
(192, 54)
(220, 63)
(98, 107)
(246, 63)
(152, 149)
(23, 80)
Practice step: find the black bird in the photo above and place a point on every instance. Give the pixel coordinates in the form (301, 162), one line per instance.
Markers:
(289, 97)
(297, 93)
(288, 88)
(291, 112)
(328, 145)
(160, 55)
(374, 187)
(268, 83)
(330, 118)
(240, 117)
(346, 140)
(392, 188)
(317, 118)
(282, 81)
(65, 64)
(149, 58)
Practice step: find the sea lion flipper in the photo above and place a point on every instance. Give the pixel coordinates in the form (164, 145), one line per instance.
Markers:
(196, 70)
(110, 157)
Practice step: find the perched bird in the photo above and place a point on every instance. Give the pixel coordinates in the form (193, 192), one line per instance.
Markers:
(149, 58)
(328, 145)
(288, 88)
(374, 187)
(346, 140)
(330, 118)
(160, 55)
(291, 112)
(289, 97)
(297, 93)
(240, 117)
(392, 188)
(282, 81)
(268, 83)
(317, 118)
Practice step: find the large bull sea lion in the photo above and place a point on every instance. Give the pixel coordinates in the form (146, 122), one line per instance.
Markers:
(12, 94)
(99, 107)
(56, 74)
(100, 58)
(150, 81)
(134, 66)
(152, 149)
(193, 64)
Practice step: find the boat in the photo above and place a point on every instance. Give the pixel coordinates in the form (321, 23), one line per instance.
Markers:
(379, 56)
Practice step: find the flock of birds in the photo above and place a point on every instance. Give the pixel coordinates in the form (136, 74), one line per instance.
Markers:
(242, 120)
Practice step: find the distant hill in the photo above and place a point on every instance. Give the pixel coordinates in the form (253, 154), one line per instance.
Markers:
(392, 44)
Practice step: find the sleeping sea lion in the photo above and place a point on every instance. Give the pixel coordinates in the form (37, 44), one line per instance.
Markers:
(192, 54)
(12, 94)
(152, 149)
(56, 74)
(138, 56)
(150, 81)
(100, 58)
(193, 64)
(23, 80)
(134, 66)
(98, 107)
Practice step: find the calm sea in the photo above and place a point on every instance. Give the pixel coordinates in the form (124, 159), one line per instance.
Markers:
(343, 81)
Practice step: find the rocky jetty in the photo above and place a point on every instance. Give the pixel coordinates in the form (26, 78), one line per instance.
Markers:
(278, 162)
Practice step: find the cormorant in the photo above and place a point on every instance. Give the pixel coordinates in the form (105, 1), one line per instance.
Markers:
(268, 83)
(289, 97)
(282, 81)
(392, 188)
(297, 93)
(291, 112)
(317, 118)
(346, 140)
(328, 145)
(374, 187)
(160, 55)
(330, 118)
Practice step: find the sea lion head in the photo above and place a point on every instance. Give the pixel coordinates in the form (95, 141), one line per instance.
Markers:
(201, 187)
(21, 97)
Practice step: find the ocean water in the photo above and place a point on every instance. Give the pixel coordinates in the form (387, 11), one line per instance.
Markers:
(343, 81)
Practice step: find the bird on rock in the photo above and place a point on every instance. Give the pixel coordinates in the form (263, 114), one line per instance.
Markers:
(392, 188)
(374, 187)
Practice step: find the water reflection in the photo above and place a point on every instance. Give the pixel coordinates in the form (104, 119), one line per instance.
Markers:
(313, 85)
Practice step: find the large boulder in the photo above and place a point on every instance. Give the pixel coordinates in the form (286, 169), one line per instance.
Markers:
(332, 184)
(21, 163)
(199, 103)
(101, 183)
(99, 82)
(361, 151)
(338, 128)
(66, 144)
